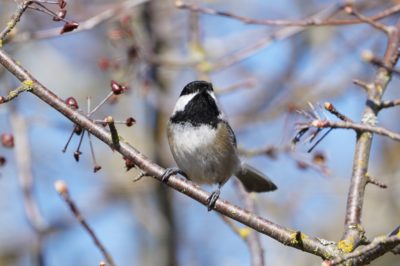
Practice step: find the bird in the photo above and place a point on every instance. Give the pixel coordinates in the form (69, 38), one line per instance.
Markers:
(204, 146)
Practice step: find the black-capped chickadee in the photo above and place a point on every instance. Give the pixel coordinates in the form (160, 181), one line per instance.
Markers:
(204, 145)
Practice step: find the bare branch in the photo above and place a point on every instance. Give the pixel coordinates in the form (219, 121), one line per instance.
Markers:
(26, 182)
(376, 182)
(371, 58)
(14, 93)
(84, 25)
(62, 189)
(349, 125)
(362, 84)
(277, 35)
(13, 22)
(302, 22)
(332, 109)
(245, 84)
(350, 10)
(388, 104)
(252, 239)
(282, 234)
(354, 233)
(366, 254)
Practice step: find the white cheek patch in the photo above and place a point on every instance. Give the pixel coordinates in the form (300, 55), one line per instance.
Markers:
(221, 114)
(182, 102)
(213, 95)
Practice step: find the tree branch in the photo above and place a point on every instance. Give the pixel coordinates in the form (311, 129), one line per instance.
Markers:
(87, 24)
(62, 189)
(26, 182)
(277, 35)
(286, 236)
(360, 128)
(367, 20)
(13, 22)
(354, 233)
(252, 238)
(366, 254)
(371, 58)
(302, 22)
(388, 104)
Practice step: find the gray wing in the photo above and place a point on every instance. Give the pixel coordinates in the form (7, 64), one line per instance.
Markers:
(231, 133)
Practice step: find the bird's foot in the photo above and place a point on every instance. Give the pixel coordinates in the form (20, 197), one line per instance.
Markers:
(171, 171)
(212, 199)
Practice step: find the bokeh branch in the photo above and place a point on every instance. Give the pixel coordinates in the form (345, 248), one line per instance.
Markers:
(302, 22)
(26, 182)
(62, 189)
(252, 238)
(87, 24)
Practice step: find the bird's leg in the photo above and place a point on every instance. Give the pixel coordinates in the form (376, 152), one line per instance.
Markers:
(213, 198)
(171, 171)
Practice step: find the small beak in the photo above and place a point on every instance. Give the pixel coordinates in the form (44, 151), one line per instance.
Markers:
(204, 89)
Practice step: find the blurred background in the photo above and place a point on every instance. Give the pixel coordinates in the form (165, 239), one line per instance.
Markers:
(262, 75)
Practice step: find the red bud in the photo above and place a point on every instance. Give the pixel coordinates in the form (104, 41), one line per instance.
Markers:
(71, 102)
(68, 27)
(130, 121)
(7, 140)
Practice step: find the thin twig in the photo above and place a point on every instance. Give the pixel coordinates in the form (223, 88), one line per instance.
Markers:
(319, 140)
(140, 176)
(357, 127)
(272, 152)
(69, 139)
(26, 182)
(270, 22)
(376, 182)
(78, 152)
(281, 34)
(350, 10)
(103, 122)
(62, 189)
(96, 166)
(388, 104)
(332, 109)
(100, 104)
(362, 84)
(371, 58)
(23, 158)
(83, 25)
(42, 8)
(252, 239)
(14, 94)
(13, 22)
(247, 84)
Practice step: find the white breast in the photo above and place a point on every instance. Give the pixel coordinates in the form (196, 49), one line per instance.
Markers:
(189, 139)
(196, 154)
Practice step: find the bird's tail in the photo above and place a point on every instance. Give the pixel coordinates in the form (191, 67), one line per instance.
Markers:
(253, 180)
